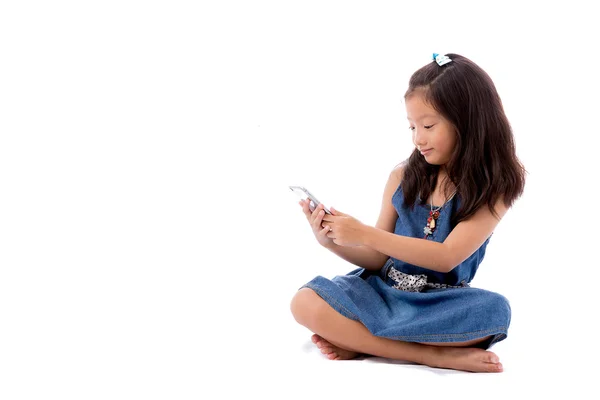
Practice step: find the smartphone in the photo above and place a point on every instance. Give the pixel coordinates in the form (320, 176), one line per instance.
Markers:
(305, 194)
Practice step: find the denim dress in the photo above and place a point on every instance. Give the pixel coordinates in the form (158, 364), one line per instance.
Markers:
(449, 314)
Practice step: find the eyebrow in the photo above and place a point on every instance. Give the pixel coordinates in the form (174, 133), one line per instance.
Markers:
(424, 116)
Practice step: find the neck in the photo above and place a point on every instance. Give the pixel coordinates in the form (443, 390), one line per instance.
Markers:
(441, 183)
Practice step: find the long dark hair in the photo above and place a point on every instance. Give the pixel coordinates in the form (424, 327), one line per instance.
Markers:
(484, 166)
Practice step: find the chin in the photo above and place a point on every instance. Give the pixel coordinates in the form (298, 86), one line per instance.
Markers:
(431, 161)
(435, 161)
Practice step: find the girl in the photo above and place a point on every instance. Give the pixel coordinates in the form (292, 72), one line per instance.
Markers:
(410, 299)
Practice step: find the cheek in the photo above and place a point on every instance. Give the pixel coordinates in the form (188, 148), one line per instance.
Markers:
(453, 142)
(450, 141)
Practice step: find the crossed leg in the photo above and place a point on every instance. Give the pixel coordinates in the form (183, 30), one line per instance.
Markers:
(342, 338)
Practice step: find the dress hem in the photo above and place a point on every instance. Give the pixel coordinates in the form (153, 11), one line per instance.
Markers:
(497, 334)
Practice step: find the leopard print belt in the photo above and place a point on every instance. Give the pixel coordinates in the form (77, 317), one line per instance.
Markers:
(416, 283)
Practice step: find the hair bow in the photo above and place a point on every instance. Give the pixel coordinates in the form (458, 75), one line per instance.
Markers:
(441, 59)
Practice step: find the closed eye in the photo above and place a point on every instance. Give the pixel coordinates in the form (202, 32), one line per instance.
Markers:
(412, 128)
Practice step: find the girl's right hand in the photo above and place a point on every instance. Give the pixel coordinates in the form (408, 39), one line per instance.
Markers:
(315, 219)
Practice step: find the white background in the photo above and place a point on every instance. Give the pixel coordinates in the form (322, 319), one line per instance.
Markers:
(150, 246)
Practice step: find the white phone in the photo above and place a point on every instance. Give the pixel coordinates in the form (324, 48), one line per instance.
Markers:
(305, 194)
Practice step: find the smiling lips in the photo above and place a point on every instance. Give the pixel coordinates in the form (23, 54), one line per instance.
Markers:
(423, 152)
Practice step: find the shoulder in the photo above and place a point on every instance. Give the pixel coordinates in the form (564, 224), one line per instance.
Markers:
(395, 177)
(387, 216)
(393, 181)
(499, 209)
(398, 172)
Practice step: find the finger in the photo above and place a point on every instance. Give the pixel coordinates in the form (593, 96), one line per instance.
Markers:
(318, 218)
(304, 208)
(317, 210)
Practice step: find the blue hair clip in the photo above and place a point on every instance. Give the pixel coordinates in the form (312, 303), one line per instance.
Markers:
(441, 59)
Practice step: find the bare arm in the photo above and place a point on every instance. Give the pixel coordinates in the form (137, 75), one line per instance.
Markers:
(464, 239)
(362, 256)
(369, 257)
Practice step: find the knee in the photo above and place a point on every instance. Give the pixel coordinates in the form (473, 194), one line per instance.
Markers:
(307, 307)
(497, 309)
(503, 308)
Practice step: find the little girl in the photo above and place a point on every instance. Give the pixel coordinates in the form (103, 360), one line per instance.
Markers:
(410, 299)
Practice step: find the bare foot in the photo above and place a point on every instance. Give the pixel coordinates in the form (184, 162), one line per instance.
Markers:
(465, 359)
(333, 352)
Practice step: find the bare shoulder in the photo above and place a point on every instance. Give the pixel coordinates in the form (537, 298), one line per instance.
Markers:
(398, 172)
(388, 215)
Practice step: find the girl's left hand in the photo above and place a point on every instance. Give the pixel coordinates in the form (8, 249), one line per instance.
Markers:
(345, 230)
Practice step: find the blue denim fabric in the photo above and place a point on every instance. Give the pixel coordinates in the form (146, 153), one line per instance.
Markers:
(433, 315)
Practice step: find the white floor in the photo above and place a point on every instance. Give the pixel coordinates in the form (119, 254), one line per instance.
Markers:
(280, 361)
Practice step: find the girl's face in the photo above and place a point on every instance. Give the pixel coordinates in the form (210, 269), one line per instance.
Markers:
(432, 134)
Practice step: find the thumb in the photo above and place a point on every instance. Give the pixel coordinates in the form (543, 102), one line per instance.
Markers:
(336, 212)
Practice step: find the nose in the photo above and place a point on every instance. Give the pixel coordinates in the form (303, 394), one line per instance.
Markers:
(418, 138)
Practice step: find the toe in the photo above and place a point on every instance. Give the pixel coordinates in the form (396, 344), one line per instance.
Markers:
(493, 367)
(315, 338)
(490, 357)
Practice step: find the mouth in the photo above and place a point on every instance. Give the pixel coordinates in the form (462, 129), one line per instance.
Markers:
(425, 152)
